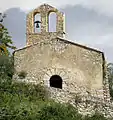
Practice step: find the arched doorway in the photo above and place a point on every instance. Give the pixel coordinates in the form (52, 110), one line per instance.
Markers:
(56, 81)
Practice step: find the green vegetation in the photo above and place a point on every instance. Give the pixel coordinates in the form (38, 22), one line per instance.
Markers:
(20, 101)
(27, 102)
(5, 38)
(110, 77)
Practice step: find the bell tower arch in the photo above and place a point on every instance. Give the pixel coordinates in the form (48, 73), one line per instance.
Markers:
(38, 24)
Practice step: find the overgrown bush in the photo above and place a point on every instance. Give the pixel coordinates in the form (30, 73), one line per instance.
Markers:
(6, 65)
(22, 101)
(6, 68)
(56, 111)
(32, 92)
(97, 116)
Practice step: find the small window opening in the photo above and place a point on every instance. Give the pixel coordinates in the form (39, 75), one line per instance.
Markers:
(37, 23)
(56, 81)
(52, 22)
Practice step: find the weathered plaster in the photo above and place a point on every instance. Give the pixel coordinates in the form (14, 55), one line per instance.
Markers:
(76, 65)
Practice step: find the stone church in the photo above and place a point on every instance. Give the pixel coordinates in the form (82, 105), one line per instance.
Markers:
(64, 67)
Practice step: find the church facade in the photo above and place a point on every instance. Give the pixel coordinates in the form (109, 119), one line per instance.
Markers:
(64, 67)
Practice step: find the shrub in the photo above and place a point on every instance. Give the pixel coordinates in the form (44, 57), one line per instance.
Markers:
(6, 66)
(96, 116)
(6, 71)
(22, 101)
(56, 111)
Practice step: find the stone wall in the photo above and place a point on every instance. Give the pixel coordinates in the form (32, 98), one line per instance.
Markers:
(44, 10)
(77, 66)
(82, 69)
(86, 103)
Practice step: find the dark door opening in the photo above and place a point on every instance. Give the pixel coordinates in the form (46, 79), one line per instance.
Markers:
(56, 81)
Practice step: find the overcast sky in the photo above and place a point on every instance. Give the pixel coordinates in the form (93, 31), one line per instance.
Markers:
(88, 22)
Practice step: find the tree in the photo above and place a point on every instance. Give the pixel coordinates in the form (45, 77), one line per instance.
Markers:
(110, 77)
(5, 39)
(6, 68)
(6, 60)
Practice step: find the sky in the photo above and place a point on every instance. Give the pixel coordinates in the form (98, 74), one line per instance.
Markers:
(88, 22)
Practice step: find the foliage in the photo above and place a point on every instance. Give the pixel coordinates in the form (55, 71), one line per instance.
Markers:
(20, 101)
(97, 116)
(5, 39)
(56, 111)
(19, 104)
(6, 70)
(6, 66)
(110, 77)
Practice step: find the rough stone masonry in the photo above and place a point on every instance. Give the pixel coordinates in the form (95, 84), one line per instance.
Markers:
(64, 67)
